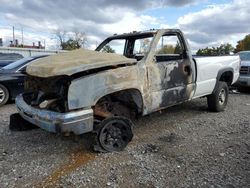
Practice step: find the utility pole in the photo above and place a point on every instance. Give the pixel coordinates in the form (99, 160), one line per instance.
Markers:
(44, 43)
(13, 30)
(22, 35)
(162, 42)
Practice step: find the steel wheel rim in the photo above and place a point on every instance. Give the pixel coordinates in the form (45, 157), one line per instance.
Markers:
(222, 96)
(2, 95)
(115, 136)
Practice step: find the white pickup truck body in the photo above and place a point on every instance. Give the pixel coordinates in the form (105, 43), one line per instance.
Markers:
(207, 72)
(72, 91)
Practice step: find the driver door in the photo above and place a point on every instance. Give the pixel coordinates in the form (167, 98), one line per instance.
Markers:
(170, 74)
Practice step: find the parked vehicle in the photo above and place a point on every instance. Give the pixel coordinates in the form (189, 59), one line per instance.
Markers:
(90, 91)
(7, 58)
(244, 79)
(4, 63)
(12, 78)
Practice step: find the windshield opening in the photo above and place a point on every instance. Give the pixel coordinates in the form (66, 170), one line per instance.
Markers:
(136, 46)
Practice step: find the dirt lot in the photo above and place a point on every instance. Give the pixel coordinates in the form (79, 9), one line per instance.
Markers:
(183, 146)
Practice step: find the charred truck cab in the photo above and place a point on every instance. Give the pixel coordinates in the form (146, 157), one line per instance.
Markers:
(128, 75)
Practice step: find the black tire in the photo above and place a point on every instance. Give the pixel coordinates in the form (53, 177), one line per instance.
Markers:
(4, 95)
(17, 123)
(217, 101)
(113, 134)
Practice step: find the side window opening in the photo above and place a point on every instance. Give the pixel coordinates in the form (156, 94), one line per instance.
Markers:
(139, 47)
(132, 47)
(169, 48)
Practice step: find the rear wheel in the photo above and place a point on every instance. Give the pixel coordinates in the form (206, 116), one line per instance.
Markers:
(4, 95)
(217, 101)
(113, 134)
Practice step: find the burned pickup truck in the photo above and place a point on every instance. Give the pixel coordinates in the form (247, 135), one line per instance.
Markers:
(128, 75)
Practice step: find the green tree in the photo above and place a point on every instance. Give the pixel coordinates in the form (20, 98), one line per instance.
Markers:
(243, 45)
(70, 45)
(71, 40)
(108, 49)
(170, 49)
(223, 49)
(166, 49)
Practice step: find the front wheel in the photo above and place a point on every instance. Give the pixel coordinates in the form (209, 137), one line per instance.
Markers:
(217, 101)
(113, 134)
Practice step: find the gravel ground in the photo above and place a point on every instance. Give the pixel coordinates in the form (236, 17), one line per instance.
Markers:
(183, 146)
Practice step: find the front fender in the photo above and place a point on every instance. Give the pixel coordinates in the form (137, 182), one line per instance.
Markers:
(86, 91)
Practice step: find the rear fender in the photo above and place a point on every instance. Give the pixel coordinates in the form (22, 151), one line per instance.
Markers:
(219, 76)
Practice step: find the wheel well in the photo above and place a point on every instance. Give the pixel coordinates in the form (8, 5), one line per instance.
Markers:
(7, 90)
(227, 77)
(126, 103)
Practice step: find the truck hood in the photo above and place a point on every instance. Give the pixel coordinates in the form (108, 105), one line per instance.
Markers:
(245, 63)
(75, 61)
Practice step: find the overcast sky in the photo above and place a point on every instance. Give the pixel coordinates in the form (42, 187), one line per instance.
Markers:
(205, 22)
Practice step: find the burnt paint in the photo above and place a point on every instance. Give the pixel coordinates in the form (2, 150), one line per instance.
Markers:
(175, 89)
(172, 80)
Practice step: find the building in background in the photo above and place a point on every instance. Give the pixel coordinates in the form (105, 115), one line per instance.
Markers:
(17, 45)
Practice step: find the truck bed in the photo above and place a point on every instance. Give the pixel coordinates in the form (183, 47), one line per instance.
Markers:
(207, 71)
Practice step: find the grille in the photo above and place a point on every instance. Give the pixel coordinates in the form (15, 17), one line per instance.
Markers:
(244, 70)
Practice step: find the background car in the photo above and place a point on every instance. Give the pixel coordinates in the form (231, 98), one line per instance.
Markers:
(7, 58)
(12, 78)
(4, 63)
(244, 79)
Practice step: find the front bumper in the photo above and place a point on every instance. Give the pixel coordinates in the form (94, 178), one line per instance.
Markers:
(244, 81)
(78, 122)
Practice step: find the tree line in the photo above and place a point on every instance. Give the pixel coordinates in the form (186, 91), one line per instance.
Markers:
(226, 49)
(76, 39)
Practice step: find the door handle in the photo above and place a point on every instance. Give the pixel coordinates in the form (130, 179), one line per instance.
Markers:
(188, 70)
